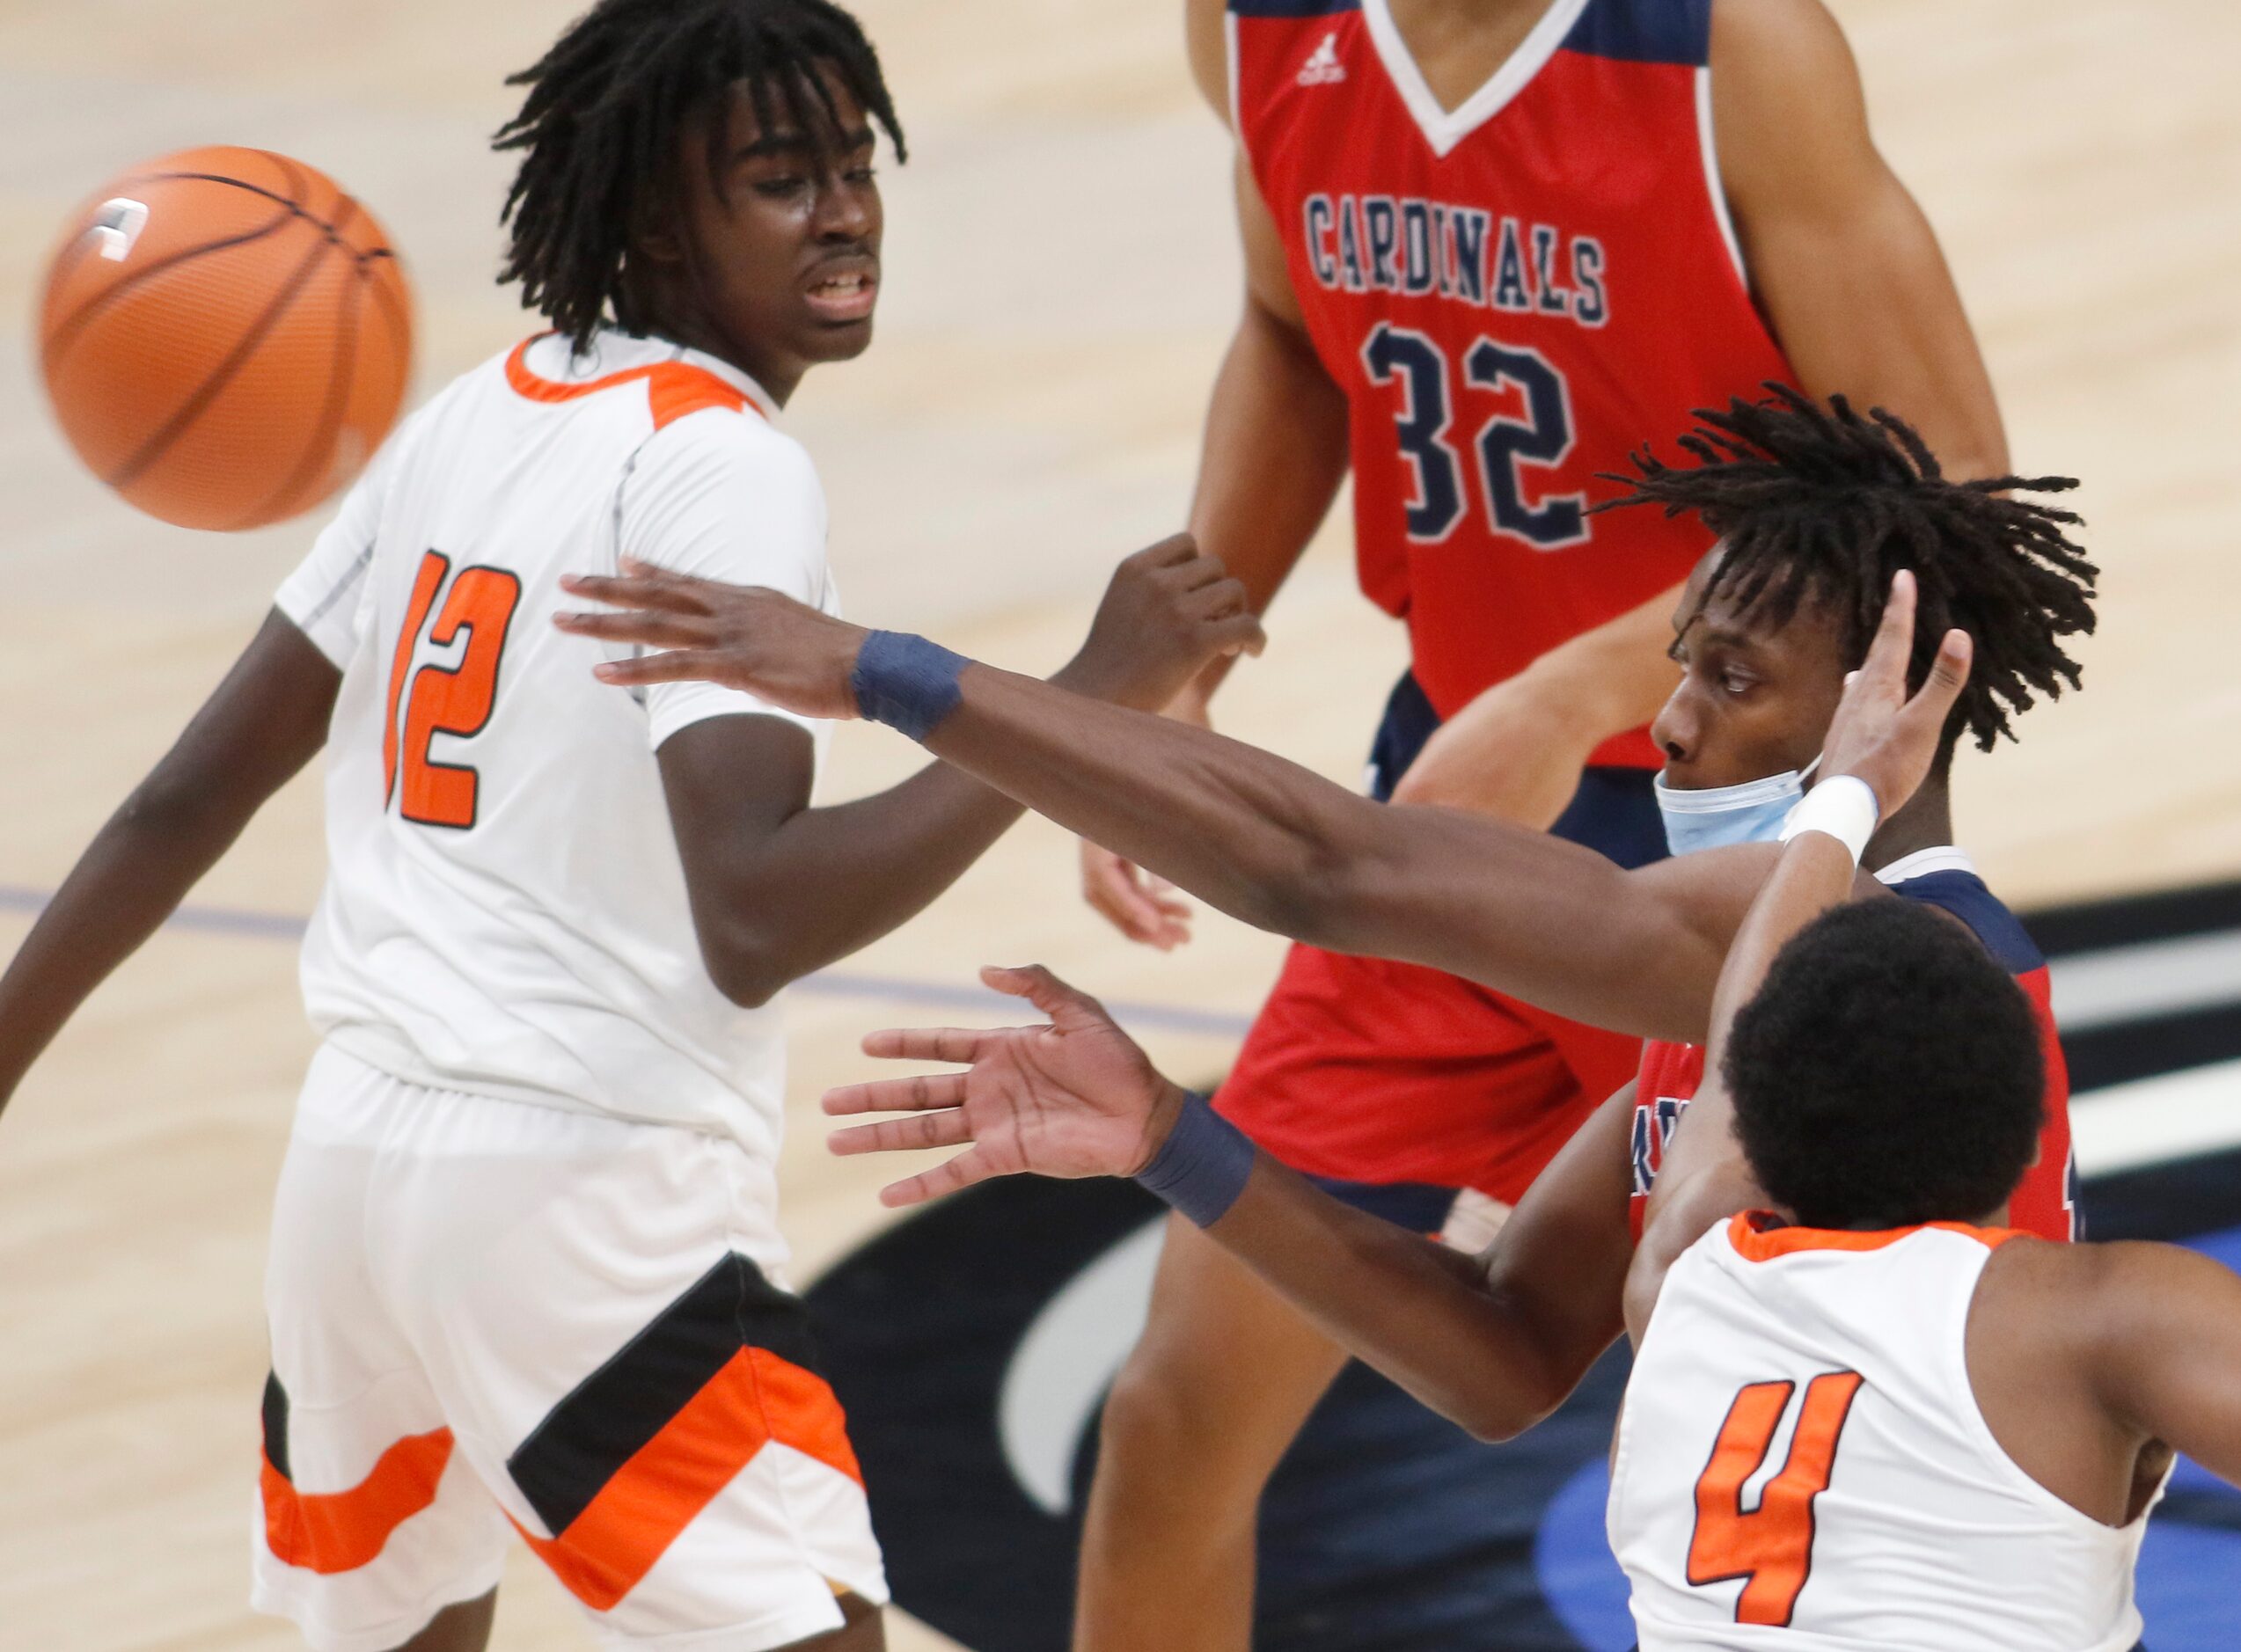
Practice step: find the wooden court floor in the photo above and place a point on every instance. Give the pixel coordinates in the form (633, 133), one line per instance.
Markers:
(1060, 284)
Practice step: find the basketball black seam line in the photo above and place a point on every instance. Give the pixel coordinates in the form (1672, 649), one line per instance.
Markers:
(63, 336)
(295, 208)
(399, 318)
(342, 371)
(220, 376)
(290, 209)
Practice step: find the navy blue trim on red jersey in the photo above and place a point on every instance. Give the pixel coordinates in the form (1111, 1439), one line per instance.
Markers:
(1293, 8)
(1615, 811)
(1416, 1206)
(1963, 894)
(1646, 31)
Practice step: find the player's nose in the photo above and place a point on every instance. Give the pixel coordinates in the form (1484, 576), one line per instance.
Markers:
(848, 210)
(1677, 729)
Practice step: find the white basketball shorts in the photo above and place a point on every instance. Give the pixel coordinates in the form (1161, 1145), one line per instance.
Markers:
(488, 1312)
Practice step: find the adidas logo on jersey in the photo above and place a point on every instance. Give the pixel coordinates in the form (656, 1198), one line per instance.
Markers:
(1322, 68)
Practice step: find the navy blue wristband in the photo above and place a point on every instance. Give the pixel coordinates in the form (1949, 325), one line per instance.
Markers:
(906, 682)
(1203, 1165)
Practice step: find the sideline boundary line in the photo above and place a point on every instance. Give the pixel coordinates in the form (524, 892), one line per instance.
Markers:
(242, 923)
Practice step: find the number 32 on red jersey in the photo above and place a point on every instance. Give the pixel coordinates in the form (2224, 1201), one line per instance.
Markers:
(452, 698)
(1504, 446)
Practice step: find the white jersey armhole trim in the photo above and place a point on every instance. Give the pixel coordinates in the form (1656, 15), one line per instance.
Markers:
(1979, 1431)
(1922, 862)
(341, 588)
(1713, 186)
(1229, 72)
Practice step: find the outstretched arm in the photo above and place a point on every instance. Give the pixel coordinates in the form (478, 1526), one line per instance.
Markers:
(261, 725)
(779, 889)
(1258, 838)
(1516, 751)
(1880, 740)
(1493, 1342)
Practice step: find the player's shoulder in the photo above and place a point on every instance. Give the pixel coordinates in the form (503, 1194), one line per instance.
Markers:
(728, 449)
(1776, 64)
(1946, 881)
(2079, 1289)
(1205, 36)
(2048, 1301)
(1774, 30)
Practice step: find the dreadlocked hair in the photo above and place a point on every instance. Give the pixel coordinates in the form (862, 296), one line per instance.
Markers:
(1815, 500)
(598, 129)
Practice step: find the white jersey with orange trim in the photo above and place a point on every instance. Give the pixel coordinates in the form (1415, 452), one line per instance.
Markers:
(1801, 1463)
(505, 912)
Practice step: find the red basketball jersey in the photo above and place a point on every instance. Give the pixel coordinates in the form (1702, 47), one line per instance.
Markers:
(1514, 294)
(2045, 1201)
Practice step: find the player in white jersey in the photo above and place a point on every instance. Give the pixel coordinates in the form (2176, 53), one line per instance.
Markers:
(1863, 1412)
(1970, 1424)
(525, 1267)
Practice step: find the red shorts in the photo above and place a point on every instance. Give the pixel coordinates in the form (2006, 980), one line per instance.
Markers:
(1361, 1069)
(1396, 1081)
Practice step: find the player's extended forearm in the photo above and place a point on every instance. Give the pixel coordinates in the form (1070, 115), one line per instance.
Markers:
(1259, 837)
(1421, 1314)
(1281, 849)
(262, 724)
(1516, 751)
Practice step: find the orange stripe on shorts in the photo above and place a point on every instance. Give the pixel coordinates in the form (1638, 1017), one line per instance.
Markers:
(328, 1532)
(754, 1399)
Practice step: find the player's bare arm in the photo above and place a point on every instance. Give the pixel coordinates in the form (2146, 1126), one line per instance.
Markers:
(1273, 456)
(779, 889)
(1493, 1342)
(262, 724)
(2092, 1362)
(1516, 751)
(1883, 738)
(1842, 259)
(1259, 837)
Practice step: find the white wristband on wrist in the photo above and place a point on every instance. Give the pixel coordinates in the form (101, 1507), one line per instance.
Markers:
(1844, 807)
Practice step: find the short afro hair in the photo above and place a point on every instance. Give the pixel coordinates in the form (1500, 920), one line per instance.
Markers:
(1887, 1073)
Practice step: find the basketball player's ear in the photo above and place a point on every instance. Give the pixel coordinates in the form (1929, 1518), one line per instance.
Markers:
(657, 215)
(657, 229)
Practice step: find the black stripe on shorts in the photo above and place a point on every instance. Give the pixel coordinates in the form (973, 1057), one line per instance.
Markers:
(614, 1412)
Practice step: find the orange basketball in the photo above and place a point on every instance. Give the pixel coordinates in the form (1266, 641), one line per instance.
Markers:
(225, 337)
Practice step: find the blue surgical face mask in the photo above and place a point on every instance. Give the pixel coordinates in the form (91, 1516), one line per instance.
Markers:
(1751, 813)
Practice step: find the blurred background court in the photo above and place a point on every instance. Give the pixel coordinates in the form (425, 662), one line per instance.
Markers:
(1061, 281)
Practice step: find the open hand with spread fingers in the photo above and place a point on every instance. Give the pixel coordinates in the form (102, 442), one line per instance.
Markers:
(1074, 1097)
(1881, 736)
